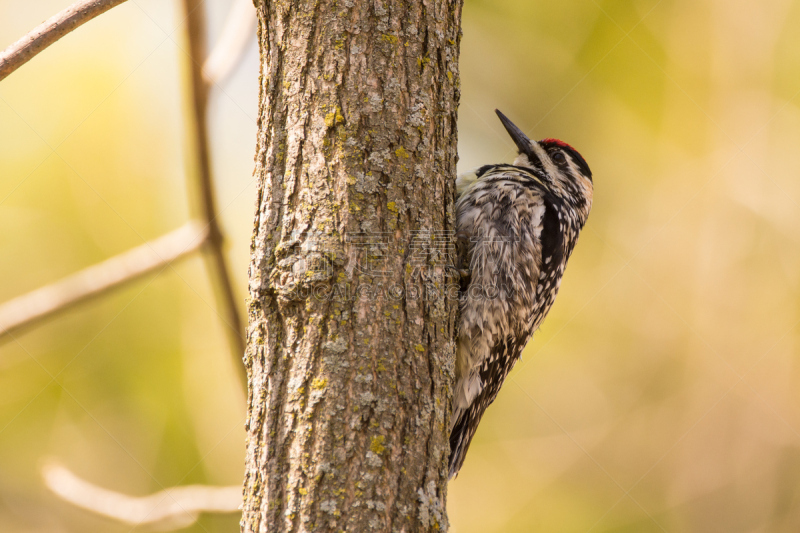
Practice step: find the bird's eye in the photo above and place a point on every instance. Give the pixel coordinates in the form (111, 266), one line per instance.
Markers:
(559, 158)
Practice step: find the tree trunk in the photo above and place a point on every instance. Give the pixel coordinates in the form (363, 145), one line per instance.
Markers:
(351, 325)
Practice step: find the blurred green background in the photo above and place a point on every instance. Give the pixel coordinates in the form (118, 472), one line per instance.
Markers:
(662, 393)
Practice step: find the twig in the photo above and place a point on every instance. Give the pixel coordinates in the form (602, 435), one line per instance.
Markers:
(173, 508)
(226, 299)
(102, 277)
(239, 28)
(50, 31)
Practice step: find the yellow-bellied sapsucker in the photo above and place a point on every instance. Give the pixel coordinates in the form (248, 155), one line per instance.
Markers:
(516, 226)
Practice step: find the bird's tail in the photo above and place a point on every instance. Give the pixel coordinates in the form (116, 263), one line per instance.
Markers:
(463, 429)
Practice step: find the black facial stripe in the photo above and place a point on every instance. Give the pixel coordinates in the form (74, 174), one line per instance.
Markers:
(538, 172)
(534, 159)
(580, 161)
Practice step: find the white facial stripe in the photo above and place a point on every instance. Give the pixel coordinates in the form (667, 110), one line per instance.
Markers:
(544, 157)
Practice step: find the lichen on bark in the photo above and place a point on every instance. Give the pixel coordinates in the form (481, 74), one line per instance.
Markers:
(351, 324)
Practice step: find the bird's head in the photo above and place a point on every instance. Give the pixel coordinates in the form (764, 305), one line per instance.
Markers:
(565, 171)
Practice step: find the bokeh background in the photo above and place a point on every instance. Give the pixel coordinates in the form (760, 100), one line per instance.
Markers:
(663, 391)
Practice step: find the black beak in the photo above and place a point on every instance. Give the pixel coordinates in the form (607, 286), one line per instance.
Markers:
(520, 139)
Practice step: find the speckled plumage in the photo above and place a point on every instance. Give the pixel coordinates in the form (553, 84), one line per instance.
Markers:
(517, 226)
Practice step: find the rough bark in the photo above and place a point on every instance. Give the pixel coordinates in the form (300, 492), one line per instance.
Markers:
(350, 337)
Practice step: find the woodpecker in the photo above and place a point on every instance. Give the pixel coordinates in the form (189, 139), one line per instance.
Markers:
(516, 226)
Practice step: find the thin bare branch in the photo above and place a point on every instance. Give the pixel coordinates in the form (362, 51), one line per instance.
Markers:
(173, 508)
(100, 278)
(226, 298)
(50, 31)
(238, 32)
